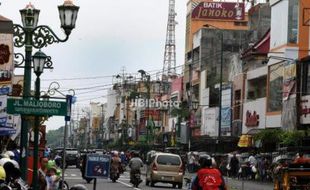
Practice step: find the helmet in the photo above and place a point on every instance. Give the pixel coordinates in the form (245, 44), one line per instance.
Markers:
(10, 154)
(115, 153)
(2, 174)
(51, 164)
(4, 155)
(205, 160)
(11, 170)
(78, 187)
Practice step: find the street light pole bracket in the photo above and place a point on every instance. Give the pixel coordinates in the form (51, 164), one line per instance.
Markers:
(19, 59)
(54, 88)
(41, 36)
(19, 35)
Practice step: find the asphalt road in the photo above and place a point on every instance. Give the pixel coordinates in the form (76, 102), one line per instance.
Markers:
(73, 176)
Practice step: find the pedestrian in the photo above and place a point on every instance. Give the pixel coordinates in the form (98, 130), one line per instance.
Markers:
(42, 173)
(234, 165)
(52, 179)
(191, 160)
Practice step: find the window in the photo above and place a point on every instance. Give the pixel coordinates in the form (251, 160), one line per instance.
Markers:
(306, 78)
(256, 88)
(293, 21)
(168, 160)
(275, 87)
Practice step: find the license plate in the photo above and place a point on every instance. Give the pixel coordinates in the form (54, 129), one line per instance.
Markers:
(167, 178)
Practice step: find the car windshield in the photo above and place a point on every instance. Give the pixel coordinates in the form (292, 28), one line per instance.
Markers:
(168, 160)
(72, 152)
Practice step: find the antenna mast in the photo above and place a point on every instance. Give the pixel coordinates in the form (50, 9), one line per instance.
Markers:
(169, 66)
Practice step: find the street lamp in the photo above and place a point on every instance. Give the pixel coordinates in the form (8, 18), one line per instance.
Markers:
(221, 77)
(144, 74)
(30, 35)
(40, 60)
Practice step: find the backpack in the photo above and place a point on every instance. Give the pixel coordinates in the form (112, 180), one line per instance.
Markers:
(210, 179)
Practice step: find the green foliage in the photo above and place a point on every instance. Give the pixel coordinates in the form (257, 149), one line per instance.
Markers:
(278, 136)
(182, 112)
(54, 138)
(269, 136)
(292, 138)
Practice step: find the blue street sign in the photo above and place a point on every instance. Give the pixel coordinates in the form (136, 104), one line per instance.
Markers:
(97, 166)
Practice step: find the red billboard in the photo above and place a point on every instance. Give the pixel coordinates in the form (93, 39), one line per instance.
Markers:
(219, 10)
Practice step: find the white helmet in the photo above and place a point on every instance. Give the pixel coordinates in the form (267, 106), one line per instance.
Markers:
(10, 154)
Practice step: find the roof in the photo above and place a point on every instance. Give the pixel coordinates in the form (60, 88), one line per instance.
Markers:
(261, 47)
(2, 18)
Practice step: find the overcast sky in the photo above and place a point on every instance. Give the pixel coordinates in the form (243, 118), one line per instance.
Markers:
(109, 34)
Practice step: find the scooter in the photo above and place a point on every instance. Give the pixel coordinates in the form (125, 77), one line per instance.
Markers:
(136, 179)
(114, 175)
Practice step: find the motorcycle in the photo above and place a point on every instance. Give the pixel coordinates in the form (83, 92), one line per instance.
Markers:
(136, 179)
(114, 175)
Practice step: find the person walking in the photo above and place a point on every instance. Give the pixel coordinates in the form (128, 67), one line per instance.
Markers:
(42, 173)
(234, 165)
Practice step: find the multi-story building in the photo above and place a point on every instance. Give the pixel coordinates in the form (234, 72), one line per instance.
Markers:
(215, 34)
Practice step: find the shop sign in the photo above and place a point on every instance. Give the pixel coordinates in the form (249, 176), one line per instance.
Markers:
(289, 75)
(252, 119)
(219, 10)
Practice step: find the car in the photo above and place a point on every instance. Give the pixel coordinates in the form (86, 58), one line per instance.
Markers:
(72, 157)
(164, 168)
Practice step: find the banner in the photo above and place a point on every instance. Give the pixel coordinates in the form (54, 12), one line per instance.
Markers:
(219, 10)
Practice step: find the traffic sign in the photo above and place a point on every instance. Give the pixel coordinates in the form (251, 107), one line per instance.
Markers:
(97, 166)
(36, 107)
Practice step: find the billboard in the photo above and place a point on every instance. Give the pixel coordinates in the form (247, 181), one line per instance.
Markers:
(219, 10)
(210, 122)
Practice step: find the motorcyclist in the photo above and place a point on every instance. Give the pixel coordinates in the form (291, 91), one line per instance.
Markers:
(115, 164)
(207, 176)
(135, 164)
(83, 168)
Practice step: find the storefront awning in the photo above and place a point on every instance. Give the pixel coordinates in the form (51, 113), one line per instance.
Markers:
(245, 141)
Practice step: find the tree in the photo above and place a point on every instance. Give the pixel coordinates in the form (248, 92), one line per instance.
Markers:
(292, 138)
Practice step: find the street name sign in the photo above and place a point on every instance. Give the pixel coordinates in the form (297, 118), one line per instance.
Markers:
(36, 107)
(97, 166)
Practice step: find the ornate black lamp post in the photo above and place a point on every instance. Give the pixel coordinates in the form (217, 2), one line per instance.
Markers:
(40, 61)
(31, 35)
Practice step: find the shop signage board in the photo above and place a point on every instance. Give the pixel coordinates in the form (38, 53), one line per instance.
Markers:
(219, 10)
(97, 166)
(36, 107)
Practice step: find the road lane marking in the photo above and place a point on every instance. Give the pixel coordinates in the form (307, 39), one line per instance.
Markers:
(128, 185)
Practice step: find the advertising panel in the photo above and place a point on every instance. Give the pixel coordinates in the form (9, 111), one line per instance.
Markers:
(219, 10)
(210, 122)
(97, 166)
(254, 115)
(8, 125)
(289, 82)
(226, 111)
(184, 133)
